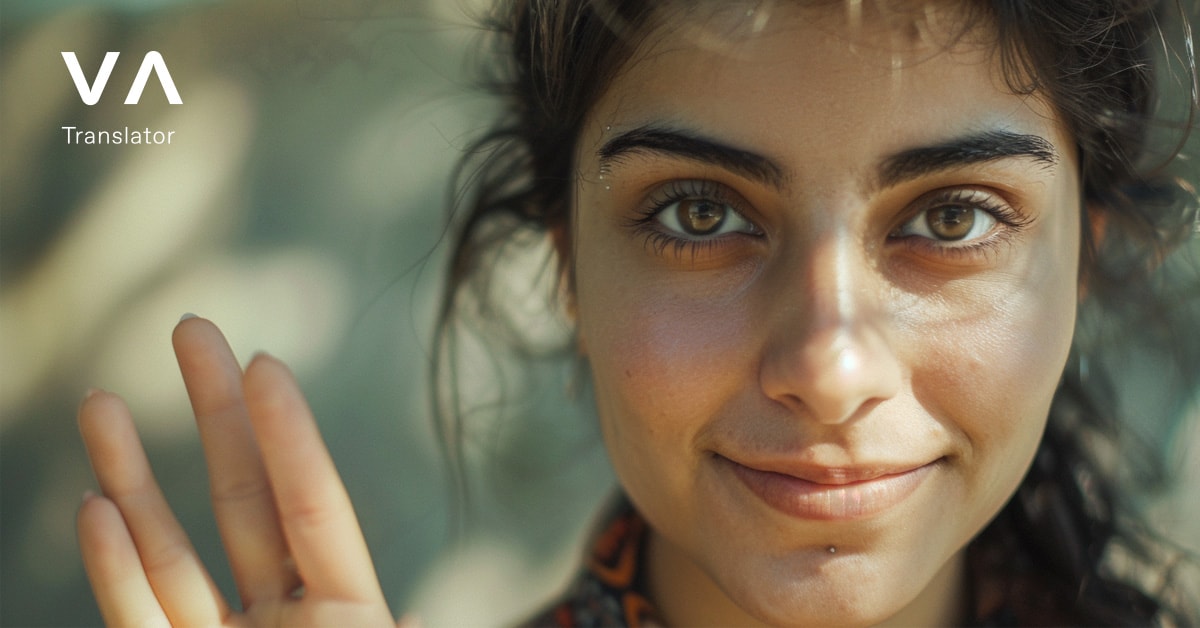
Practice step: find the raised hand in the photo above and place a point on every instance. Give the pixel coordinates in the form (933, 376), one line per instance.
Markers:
(290, 533)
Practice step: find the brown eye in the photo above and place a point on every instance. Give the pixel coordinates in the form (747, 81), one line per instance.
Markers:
(950, 222)
(700, 216)
(953, 218)
(700, 210)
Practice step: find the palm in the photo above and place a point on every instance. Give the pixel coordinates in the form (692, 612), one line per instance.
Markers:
(290, 533)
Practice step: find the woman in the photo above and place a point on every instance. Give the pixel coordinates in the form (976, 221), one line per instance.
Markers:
(823, 261)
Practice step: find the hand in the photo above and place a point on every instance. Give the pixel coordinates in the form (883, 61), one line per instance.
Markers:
(290, 533)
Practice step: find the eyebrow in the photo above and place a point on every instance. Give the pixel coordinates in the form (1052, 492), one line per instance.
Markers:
(903, 166)
(687, 145)
(977, 148)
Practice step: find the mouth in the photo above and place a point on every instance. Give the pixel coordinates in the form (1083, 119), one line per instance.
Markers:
(826, 494)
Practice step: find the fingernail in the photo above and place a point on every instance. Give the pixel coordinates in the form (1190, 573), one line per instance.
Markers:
(88, 494)
(91, 392)
(187, 315)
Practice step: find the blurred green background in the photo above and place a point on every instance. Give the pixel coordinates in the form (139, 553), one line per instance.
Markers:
(299, 206)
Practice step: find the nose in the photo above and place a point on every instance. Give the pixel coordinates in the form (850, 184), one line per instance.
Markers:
(827, 354)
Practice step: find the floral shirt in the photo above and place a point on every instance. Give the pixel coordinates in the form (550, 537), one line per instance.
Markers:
(611, 589)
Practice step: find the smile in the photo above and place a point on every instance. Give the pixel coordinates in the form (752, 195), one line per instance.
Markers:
(829, 494)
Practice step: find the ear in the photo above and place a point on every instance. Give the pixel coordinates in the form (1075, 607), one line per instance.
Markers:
(1094, 228)
(563, 242)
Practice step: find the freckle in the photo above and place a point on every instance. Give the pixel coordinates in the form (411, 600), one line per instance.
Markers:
(628, 373)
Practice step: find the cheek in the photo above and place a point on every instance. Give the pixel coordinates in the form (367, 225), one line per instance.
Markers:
(655, 359)
(663, 361)
(1010, 356)
(991, 378)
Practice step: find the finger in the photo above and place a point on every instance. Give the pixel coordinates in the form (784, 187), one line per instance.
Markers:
(242, 502)
(317, 517)
(111, 561)
(179, 580)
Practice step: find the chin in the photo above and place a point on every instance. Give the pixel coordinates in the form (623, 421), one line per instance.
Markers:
(805, 607)
(823, 590)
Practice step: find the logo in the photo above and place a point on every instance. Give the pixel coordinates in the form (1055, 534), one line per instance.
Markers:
(152, 62)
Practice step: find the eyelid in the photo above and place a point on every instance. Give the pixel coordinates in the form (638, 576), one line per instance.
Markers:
(674, 244)
(995, 204)
(1010, 222)
(677, 190)
(918, 226)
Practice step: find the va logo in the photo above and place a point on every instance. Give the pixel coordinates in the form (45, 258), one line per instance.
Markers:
(153, 62)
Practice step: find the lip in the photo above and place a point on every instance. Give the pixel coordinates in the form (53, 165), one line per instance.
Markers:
(833, 494)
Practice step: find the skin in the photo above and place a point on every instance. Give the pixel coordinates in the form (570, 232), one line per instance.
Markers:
(283, 513)
(829, 335)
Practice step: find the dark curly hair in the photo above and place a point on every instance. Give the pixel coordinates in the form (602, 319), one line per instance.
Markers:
(1110, 70)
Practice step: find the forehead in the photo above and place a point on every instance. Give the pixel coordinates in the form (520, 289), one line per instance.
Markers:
(841, 79)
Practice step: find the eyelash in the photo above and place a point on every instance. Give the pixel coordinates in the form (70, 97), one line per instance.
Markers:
(1010, 222)
(646, 223)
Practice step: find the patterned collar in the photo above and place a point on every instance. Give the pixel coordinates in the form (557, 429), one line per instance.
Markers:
(611, 589)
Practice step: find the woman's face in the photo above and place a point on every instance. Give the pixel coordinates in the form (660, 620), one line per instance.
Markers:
(826, 280)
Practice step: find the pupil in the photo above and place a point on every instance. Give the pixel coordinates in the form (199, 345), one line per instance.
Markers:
(950, 223)
(700, 217)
